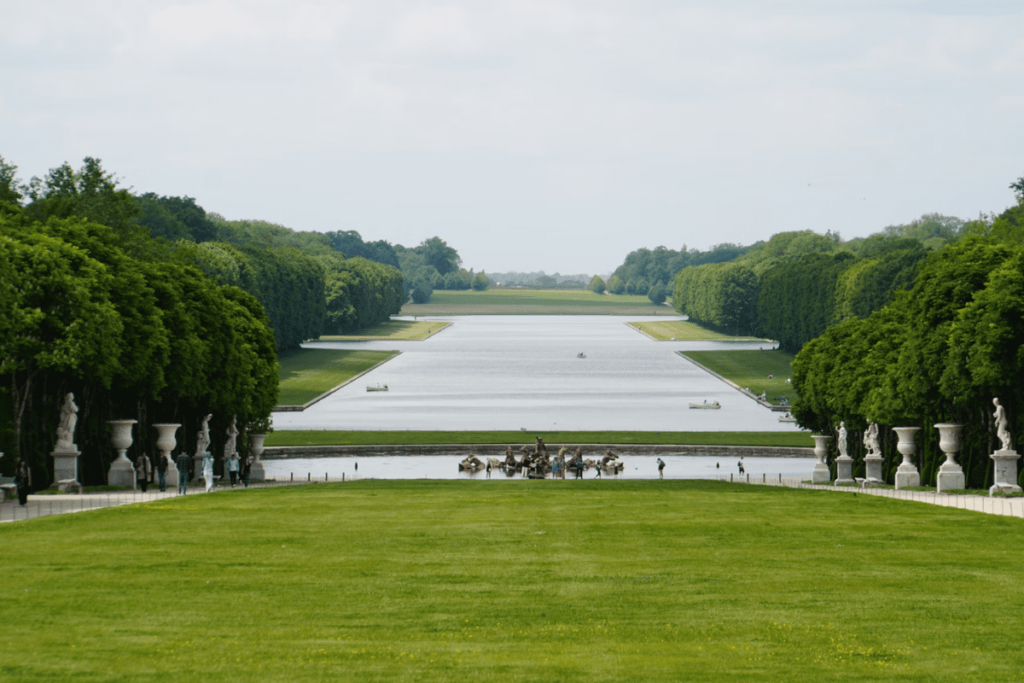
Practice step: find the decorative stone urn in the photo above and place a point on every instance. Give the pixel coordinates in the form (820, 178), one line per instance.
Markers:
(257, 472)
(166, 441)
(906, 473)
(951, 475)
(821, 474)
(121, 472)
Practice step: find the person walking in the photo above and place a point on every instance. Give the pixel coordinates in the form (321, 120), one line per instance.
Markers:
(23, 481)
(661, 468)
(161, 471)
(208, 470)
(246, 470)
(183, 463)
(579, 465)
(143, 471)
(232, 466)
(740, 465)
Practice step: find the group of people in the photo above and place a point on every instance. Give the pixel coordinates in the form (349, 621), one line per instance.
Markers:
(238, 471)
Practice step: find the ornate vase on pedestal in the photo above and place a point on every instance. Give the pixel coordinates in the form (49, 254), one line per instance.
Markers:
(121, 472)
(166, 442)
(906, 473)
(821, 475)
(951, 475)
(257, 472)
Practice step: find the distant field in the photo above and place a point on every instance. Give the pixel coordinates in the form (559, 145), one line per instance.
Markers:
(410, 438)
(307, 373)
(751, 369)
(682, 330)
(535, 302)
(393, 330)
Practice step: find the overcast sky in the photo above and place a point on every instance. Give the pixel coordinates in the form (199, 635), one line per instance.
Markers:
(528, 134)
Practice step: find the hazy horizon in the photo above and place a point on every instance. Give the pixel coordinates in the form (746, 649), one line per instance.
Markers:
(554, 136)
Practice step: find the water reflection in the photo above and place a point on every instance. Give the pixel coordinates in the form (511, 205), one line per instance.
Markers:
(447, 467)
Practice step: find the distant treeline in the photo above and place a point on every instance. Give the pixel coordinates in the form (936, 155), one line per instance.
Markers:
(938, 353)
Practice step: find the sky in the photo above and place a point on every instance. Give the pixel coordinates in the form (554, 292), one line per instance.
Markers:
(530, 134)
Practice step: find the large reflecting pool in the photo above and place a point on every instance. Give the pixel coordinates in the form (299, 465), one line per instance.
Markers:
(446, 467)
(515, 372)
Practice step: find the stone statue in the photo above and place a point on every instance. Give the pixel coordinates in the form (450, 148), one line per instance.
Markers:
(1002, 430)
(203, 440)
(232, 432)
(871, 439)
(66, 428)
(841, 441)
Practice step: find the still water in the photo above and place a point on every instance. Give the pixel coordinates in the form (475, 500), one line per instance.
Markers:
(522, 372)
(446, 467)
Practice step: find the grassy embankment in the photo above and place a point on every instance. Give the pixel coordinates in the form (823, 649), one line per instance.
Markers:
(411, 438)
(683, 330)
(514, 580)
(751, 369)
(394, 330)
(534, 302)
(307, 373)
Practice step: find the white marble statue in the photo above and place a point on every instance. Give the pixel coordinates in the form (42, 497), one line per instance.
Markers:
(1002, 429)
(66, 428)
(229, 445)
(203, 440)
(871, 439)
(841, 441)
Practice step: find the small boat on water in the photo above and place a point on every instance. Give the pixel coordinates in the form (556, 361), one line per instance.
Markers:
(787, 418)
(706, 406)
(379, 387)
(581, 355)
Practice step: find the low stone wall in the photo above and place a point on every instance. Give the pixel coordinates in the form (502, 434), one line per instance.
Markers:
(498, 450)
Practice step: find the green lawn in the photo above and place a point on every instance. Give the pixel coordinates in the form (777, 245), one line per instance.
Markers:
(534, 302)
(400, 438)
(514, 580)
(393, 330)
(751, 369)
(683, 330)
(307, 373)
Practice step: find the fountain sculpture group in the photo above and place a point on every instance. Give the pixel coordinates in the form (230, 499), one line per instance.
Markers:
(121, 472)
(950, 476)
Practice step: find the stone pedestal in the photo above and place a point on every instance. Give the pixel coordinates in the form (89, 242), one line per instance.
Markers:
(844, 470)
(821, 474)
(121, 472)
(950, 476)
(1006, 472)
(257, 473)
(65, 465)
(873, 470)
(906, 473)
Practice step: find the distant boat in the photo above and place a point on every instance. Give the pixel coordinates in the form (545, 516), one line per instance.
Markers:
(706, 406)
(379, 387)
(787, 418)
(581, 355)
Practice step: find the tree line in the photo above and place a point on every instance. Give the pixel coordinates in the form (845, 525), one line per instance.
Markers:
(939, 352)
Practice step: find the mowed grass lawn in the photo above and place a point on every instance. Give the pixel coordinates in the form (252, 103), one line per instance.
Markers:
(682, 330)
(751, 369)
(534, 302)
(415, 438)
(307, 373)
(393, 330)
(514, 580)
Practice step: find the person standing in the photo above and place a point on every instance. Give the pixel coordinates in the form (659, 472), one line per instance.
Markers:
(661, 468)
(740, 465)
(143, 471)
(161, 471)
(579, 464)
(554, 468)
(232, 466)
(183, 463)
(23, 481)
(246, 470)
(208, 470)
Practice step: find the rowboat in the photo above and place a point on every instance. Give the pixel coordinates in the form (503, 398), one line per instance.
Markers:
(706, 406)
(787, 418)
(379, 387)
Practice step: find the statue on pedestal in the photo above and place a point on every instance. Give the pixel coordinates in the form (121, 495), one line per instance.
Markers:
(203, 440)
(841, 441)
(66, 428)
(1002, 429)
(871, 440)
(232, 432)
